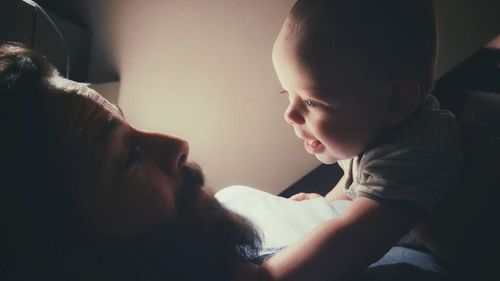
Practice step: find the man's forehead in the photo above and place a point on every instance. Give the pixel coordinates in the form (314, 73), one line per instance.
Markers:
(111, 107)
(76, 107)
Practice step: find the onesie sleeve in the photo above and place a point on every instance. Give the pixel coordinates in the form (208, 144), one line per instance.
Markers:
(412, 176)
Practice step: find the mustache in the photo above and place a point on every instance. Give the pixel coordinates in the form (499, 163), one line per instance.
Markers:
(192, 176)
(193, 182)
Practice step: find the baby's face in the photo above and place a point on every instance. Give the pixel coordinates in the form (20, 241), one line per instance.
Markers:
(331, 107)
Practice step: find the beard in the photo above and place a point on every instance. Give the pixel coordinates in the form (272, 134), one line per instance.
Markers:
(203, 243)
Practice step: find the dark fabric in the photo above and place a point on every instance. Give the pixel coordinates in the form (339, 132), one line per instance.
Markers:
(464, 230)
(401, 272)
(483, 107)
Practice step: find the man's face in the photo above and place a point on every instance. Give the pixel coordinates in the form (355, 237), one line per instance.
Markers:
(125, 180)
(137, 188)
(331, 107)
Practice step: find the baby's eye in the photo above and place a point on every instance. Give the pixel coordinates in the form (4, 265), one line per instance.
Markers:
(311, 103)
(132, 156)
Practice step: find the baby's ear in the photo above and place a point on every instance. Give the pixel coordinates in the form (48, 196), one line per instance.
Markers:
(402, 98)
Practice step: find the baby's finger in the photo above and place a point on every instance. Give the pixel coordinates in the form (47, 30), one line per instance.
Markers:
(313, 195)
(299, 196)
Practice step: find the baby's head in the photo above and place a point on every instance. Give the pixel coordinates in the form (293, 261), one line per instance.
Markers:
(354, 69)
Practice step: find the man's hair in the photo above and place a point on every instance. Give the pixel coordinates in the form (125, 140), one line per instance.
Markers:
(45, 237)
(391, 37)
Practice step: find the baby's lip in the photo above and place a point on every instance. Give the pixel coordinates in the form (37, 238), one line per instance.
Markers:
(313, 146)
(313, 143)
(308, 140)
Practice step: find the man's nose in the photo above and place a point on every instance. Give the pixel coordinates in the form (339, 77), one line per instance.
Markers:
(292, 114)
(168, 151)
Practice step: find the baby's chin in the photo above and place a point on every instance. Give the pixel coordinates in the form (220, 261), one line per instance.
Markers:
(326, 158)
(330, 156)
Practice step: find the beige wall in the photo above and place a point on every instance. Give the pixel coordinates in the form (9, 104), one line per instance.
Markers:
(201, 69)
(464, 27)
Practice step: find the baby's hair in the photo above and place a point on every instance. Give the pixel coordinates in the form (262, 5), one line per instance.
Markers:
(393, 38)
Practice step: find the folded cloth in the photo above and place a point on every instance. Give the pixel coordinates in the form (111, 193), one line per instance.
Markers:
(280, 221)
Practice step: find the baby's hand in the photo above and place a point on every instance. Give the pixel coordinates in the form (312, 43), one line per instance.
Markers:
(304, 196)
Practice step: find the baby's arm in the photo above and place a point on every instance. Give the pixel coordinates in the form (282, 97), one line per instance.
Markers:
(337, 193)
(343, 247)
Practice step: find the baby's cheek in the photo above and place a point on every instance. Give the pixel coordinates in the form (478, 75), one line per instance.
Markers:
(343, 143)
(329, 133)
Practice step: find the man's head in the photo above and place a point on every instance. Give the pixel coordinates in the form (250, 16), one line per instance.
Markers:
(353, 69)
(97, 196)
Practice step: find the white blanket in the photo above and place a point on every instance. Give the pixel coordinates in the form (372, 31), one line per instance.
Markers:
(281, 221)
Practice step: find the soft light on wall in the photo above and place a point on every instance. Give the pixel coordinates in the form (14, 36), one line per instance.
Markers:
(202, 70)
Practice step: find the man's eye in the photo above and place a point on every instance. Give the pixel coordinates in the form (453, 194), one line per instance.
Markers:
(311, 103)
(132, 156)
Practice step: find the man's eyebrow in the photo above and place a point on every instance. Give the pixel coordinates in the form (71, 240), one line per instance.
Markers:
(111, 124)
(120, 110)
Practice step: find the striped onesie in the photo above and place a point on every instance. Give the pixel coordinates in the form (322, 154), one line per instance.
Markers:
(414, 167)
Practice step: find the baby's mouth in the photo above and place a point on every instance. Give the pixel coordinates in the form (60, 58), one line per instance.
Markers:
(313, 146)
(313, 143)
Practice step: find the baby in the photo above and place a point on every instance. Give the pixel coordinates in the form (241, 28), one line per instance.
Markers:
(358, 75)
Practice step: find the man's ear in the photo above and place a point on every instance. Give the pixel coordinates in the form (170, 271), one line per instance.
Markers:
(403, 96)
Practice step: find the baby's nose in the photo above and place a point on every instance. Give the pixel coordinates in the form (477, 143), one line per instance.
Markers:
(293, 116)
